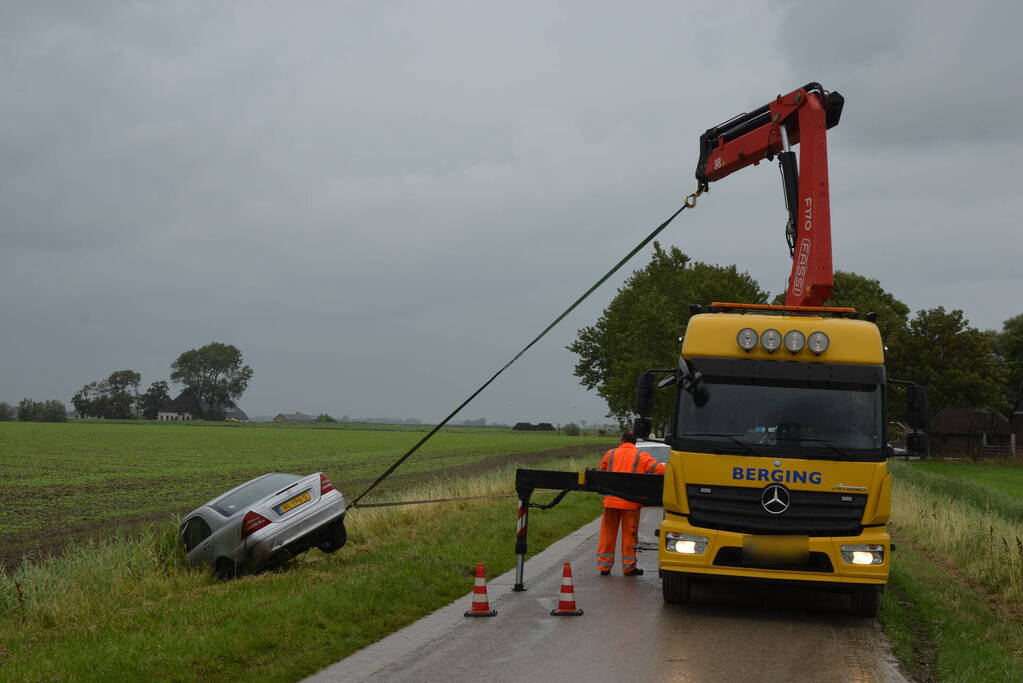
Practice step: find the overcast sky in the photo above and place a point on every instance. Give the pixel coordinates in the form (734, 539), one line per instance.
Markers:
(379, 203)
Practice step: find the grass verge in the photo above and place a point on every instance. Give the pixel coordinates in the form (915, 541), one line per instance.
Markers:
(953, 608)
(128, 608)
(941, 630)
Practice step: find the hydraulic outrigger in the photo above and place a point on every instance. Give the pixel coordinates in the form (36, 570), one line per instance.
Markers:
(645, 489)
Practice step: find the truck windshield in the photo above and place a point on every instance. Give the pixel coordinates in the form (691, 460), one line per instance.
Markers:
(779, 418)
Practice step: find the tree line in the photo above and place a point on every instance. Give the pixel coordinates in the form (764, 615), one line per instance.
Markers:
(34, 411)
(642, 326)
(211, 377)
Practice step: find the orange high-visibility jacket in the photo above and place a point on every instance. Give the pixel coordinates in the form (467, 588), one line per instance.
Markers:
(626, 458)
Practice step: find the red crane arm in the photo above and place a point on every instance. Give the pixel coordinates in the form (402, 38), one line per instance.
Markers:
(800, 117)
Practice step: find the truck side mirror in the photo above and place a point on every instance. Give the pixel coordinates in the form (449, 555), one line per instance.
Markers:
(700, 393)
(916, 443)
(642, 426)
(916, 406)
(644, 404)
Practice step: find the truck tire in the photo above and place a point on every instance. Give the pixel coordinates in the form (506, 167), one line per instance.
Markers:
(865, 601)
(675, 588)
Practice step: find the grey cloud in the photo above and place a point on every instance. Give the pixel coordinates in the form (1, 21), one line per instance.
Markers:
(914, 73)
(382, 203)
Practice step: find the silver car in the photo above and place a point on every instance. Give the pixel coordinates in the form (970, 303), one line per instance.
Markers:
(658, 450)
(265, 521)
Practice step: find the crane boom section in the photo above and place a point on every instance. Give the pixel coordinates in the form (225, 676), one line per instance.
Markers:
(801, 117)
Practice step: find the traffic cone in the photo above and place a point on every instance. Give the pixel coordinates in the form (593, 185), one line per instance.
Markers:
(566, 601)
(480, 604)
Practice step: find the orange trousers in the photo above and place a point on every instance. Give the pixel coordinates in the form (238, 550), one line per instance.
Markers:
(629, 520)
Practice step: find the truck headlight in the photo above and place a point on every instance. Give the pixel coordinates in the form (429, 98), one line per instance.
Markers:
(770, 340)
(747, 339)
(795, 341)
(863, 554)
(818, 342)
(687, 544)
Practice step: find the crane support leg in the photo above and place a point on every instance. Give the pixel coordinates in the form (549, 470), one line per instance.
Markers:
(646, 489)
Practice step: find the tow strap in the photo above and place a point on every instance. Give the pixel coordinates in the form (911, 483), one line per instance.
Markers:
(689, 203)
(436, 500)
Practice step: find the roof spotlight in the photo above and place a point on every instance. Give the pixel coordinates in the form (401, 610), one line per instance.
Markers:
(795, 341)
(818, 342)
(771, 340)
(747, 339)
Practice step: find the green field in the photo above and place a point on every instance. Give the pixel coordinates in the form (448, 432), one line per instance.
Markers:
(1006, 479)
(126, 608)
(65, 482)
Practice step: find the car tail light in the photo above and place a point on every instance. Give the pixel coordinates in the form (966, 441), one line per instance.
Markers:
(325, 484)
(253, 522)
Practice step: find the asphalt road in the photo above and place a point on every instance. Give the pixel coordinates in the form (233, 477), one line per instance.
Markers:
(627, 633)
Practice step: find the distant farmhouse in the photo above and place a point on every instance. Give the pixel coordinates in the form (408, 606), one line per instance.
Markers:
(528, 427)
(178, 409)
(183, 408)
(297, 417)
(976, 431)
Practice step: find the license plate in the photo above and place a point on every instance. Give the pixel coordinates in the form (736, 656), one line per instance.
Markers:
(293, 503)
(775, 549)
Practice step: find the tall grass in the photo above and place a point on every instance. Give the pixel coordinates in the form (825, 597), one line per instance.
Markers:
(979, 532)
(88, 580)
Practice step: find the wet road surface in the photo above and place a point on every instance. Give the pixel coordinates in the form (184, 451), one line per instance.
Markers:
(729, 633)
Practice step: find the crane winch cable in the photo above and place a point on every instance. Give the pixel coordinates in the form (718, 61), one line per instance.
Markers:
(689, 202)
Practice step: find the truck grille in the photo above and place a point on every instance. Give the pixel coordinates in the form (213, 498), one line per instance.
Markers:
(738, 508)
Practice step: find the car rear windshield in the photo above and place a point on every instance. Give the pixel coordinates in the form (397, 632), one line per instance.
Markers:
(248, 494)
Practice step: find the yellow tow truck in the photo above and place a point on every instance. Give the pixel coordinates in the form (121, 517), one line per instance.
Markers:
(778, 466)
(778, 463)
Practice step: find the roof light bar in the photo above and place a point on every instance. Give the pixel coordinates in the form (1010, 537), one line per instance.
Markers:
(840, 310)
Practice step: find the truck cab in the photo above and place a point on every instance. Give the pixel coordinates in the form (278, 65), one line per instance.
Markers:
(778, 466)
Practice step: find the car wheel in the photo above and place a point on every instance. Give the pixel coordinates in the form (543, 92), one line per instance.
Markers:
(675, 588)
(225, 568)
(334, 538)
(865, 601)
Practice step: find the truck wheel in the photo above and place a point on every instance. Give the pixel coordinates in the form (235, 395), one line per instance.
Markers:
(865, 601)
(334, 538)
(675, 587)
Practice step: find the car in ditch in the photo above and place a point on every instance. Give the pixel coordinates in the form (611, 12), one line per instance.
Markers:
(264, 522)
(658, 450)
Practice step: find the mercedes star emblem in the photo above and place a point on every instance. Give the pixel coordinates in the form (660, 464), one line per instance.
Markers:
(775, 499)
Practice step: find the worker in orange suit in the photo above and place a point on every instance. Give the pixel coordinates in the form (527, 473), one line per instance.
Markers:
(625, 458)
